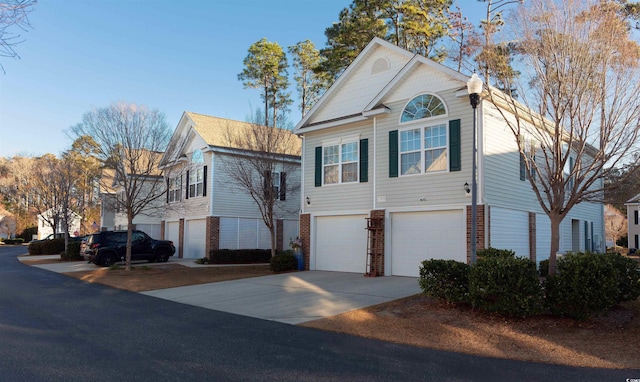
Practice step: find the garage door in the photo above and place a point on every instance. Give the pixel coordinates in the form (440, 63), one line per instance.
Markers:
(510, 230)
(418, 236)
(172, 233)
(341, 243)
(194, 239)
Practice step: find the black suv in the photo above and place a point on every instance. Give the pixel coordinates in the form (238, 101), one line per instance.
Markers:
(108, 247)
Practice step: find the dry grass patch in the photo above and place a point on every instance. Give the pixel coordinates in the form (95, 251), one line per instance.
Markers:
(143, 278)
(608, 341)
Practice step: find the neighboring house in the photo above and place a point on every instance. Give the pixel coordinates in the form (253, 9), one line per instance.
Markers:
(633, 206)
(112, 217)
(45, 229)
(391, 141)
(204, 210)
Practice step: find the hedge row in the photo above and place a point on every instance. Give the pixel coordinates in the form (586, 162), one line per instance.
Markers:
(584, 284)
(47, 247)
(17, 240)
(239, 256)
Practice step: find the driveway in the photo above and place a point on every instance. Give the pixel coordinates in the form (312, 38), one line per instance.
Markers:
(291, 298)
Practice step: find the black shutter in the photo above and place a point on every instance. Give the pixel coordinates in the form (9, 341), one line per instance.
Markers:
(364, 160)
(318, 166)
(393, 154)
(187, 187)
(635, 217)
(204, 181)
(283, 186)
(454, 146)
(167, 190)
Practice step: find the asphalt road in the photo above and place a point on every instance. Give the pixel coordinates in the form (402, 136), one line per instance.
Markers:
(58, 328)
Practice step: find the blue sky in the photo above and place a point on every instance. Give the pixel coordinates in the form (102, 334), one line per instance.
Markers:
(169, 55)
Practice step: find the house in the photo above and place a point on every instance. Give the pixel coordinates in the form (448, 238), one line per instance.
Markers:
(113, 217)
(633, 230)
(387, 156)
(205, 209)
(45, 221)
(615, 223)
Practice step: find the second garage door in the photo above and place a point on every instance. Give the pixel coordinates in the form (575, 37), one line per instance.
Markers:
(194, 239)
(341, 243)
(418, 236)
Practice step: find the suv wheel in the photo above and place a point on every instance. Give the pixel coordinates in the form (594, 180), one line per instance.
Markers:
(162, 256)
(106, 260)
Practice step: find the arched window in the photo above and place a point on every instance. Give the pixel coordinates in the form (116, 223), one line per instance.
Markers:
(423, 106)
(197, 157)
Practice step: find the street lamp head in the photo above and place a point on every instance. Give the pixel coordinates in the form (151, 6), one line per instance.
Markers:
(474, 88)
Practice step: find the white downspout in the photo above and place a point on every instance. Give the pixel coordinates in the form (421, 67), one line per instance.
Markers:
(375, 147)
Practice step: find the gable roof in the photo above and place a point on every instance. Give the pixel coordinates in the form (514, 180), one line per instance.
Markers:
(376, 92)
(222, 133)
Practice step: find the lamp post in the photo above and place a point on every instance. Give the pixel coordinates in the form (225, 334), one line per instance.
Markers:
(474, 88)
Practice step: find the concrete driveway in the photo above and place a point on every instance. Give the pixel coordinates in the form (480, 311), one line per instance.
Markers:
(290, 298)
(293, 298)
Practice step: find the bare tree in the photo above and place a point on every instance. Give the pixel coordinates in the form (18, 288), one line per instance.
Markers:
(615, 223)
(131, 139)
(579, 114)
(13, 14)
(261, 157)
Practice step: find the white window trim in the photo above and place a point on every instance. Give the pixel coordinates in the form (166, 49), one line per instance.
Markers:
(193, 174)
(340, 142)
(420, 124)
(422, 120)
(175, 189)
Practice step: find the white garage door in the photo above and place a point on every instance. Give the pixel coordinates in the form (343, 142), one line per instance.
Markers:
(341, 243)
(510, 230)
(172, 232)
(419, 236)
(194, 239)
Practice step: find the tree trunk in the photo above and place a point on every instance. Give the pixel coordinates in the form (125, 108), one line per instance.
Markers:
(555, 241)
(272, 231)
(129, 235)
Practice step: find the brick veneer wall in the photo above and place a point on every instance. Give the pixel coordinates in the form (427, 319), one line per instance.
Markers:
(532, 236)
(212, 242)
(279, 235)
(181, 238)
(374, 244)
(480, 230)
(305, 236)
(162, 229)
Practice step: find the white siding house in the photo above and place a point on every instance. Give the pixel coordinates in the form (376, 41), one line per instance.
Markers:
(391, 141)
(45, 221)
(204, 209)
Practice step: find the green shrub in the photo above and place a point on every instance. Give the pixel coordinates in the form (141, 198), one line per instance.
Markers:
(584, 283)
(73, 252)
(284, 262)
(445, 279)
(506, 285)
(27, 233)
(239, 256)
(490, 252)
(204, 260)
(628, 276)
(543, 268)
(46, 247)
(16, 241)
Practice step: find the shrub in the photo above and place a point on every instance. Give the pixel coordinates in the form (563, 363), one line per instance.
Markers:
(490, 252)
(506, 285)
(284, 262)
(73, 252)
(239, 256)
(543, 268)
(628, 276)
(445, 279)
(17, 240)
(584, 283)
(27, 233)
(46, 247)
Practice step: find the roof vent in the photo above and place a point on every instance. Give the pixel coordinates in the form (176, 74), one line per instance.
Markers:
(380, 65)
